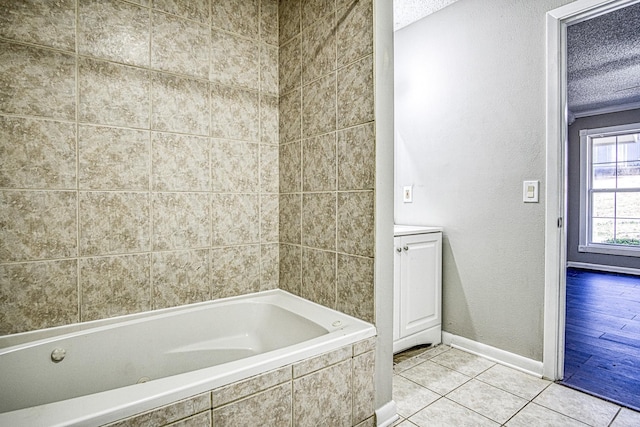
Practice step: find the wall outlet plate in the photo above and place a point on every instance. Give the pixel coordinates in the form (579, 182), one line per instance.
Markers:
(530, 191)
(407, 194)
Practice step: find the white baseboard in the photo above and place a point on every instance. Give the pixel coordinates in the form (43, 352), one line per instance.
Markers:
(387, 414)
(607, 268)
(512, 360)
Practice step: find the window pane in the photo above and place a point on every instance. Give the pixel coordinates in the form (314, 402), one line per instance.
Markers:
(604, 176)
(603, 149)
(629, 147)
(602, 205)
(602, 230)
(629, 175)
(628, 232)
(627, 205)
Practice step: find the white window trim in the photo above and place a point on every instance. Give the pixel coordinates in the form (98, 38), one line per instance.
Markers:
(585, 183)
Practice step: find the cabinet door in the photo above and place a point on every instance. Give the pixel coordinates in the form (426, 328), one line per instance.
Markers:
(397, 261)
(421, 278)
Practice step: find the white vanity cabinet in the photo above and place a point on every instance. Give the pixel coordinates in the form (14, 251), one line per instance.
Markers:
(417, 305)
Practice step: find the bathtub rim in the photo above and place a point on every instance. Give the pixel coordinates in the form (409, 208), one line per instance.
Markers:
(124, 402)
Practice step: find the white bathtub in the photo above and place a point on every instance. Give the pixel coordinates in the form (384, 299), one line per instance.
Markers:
(115, 368)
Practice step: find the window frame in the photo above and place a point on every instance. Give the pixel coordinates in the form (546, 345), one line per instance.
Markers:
(586, 220)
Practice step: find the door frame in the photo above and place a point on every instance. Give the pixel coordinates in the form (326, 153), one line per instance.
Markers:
(557, 21)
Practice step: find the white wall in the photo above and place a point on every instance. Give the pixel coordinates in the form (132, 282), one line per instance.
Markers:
(469, 128)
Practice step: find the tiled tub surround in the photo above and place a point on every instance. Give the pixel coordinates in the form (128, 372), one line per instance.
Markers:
(289, 363)
(327, 153)
(138, 156)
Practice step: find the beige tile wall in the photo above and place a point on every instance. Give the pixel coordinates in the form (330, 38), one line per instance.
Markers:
(327, 149)
(138, 156)
(157, 153)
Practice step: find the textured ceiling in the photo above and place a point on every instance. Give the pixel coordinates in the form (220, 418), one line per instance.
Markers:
(406, 12)
(603, 61)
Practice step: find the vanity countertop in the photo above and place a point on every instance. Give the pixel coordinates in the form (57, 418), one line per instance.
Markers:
(405, 230)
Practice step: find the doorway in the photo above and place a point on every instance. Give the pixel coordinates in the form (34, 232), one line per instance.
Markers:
(558, 290)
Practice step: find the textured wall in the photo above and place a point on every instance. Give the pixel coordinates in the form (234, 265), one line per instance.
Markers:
(138, 156)
(327, 153)
(573, 188)
(470, 127)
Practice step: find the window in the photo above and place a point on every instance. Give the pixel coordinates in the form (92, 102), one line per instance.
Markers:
(610, 190)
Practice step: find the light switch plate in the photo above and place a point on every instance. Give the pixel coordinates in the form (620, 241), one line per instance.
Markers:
(530, 191)
(407, 194)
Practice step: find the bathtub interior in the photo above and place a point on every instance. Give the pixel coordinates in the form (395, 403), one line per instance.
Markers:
(104, 358)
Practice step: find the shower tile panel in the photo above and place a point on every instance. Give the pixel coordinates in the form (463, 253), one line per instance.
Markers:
(113, 286)
(269, 21)
(290, 66)
(235, 219)
(290, 167)
(290, 116)
(37, 154)
(269, 69)
(269, 120)
(269, 170)
(356, 223)
(113, 223)
(236, 16)
(179, 104)
(269, 266)
(241, 389)
(317, 363)
(318, 48)
(234, 167)
(355, 31)
(319, 106)
(269, 218)
(290, 218)
(197, 10)
(180, 162)
(113, 159)
(38, 295)
(49, 216)
(319, 163)
(114, 30)
(363, 388)
(319, 276)
(270, 408)
(180, 277)
(40, 22)
(313, 11)
(234, 113)
(37, 82)
(179, 46)
(356, 158)
(181, 220)
(235, 270)
(290, 268)
(355, 93)
(319, 220)
(235, 61)
(290, 19)
(113, 94)
(355, 282)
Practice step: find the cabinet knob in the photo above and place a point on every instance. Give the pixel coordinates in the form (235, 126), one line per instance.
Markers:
(398, 249)
(406, 248)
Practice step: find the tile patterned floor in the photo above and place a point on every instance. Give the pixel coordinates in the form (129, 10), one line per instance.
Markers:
(443, 386)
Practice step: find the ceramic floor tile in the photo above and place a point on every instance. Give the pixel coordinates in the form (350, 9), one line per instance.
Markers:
(461, 361)
(406, 364)
(433, 352)
(626, 418)
(404, 423)
(539, 416)
(487, 400)
(410, 397)
(445, 413)
(515, 382)
(435, 377)
(585, 408)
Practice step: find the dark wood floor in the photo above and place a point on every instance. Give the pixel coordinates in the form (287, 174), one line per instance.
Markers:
(602, 336)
